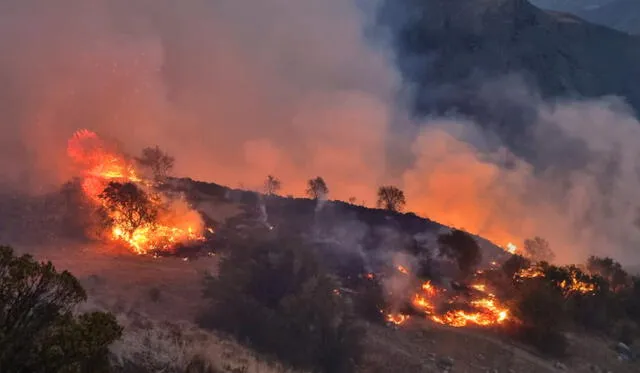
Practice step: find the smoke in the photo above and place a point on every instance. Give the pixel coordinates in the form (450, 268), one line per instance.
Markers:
(236, 90)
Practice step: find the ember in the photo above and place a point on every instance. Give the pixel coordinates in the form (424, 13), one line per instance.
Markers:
(140, 217)
(486, 310)
(397, 318)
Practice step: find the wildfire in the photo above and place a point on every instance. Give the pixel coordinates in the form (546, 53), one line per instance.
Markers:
(101, 164)
(402, 269)
(486, 310)
(572, 285)
(397, 318)
(511, 248)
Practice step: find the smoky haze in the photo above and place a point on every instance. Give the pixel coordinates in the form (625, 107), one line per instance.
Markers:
(236, 90)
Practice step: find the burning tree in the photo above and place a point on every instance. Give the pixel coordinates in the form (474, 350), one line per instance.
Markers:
(134, 211)
(159, 162)
(128, 207)
(317, 188)
(391, 198)
(39, 331)
(272, 185)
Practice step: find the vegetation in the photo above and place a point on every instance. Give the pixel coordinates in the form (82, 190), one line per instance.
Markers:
(273, 294)
(272, 185)
(602, 299)
(38, 330)
(159, 162)
(538, 250)
(462, 247)
(317, 188)
(391, 198)
(129, 207)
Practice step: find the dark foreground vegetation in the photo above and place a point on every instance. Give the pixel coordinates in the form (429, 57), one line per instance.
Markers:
(272, 293)
(39, 331)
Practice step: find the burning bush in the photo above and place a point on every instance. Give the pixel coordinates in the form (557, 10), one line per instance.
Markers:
(38, 331)
(135, 212)
(273, 294)
(128, 207)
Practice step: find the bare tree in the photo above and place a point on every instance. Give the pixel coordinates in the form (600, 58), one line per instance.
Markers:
(538, 250)
(272, 185)
(317, 188)
(159, 162)
(391, 198)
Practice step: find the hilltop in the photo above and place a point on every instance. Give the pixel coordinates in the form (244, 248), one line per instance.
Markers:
(622, 15)
(448, 49)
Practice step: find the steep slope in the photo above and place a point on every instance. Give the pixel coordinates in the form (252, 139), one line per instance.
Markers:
(623, 15)
(454, 42)
(571, 6)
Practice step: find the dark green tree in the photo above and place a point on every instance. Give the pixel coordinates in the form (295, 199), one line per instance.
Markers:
(462, 247)
(39, 333)
(273, 294)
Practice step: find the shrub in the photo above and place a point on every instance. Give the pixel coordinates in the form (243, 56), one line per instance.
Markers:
(461, 246)
(38, 331)
(273, 295)
(540, 308)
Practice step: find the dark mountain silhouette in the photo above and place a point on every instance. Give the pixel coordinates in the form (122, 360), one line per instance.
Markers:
(449, 49)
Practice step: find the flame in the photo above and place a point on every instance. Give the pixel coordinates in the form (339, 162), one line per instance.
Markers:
(574, 285)
(101, 164)
(402, 269)
(487, 310)
(511, 248)
(397, 318)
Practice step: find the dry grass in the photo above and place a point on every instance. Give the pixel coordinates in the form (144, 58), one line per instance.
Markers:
(163, 347)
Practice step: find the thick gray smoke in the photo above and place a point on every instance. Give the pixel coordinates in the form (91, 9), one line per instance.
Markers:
(236, 90)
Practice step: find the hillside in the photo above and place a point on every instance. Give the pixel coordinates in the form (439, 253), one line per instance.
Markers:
(157, 299)
(622, 15)
(449, 48)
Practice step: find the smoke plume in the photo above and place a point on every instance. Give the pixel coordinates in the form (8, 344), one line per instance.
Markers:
(236, 90)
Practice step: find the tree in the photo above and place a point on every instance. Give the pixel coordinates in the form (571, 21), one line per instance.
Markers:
(159, 162)
(538, 250)
(460, 246)
(540, 308)
(317, 188)
(272, 185)
(38, 330)
(391, 198)
(610, 270)
(273, 292)
(128, 207)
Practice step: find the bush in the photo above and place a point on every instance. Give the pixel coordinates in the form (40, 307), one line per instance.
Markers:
(462, 247)
(38, 331)
(540, 308)
(273, 295)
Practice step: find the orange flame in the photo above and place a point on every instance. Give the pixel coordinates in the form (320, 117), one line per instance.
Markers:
(101, 164)
(397, 318)
(487, 312)
(402, 269)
